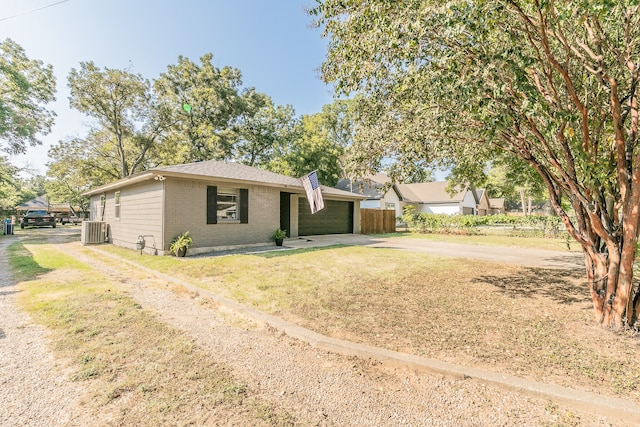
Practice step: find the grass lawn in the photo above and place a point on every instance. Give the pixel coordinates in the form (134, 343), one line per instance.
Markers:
(529, 322)
(137, 370)
(496, 237)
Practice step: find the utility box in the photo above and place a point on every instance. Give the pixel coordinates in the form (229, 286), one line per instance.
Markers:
(93, 232)
(7, 227)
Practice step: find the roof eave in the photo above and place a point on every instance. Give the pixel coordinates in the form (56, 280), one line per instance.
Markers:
(124, 182)
(153, 173)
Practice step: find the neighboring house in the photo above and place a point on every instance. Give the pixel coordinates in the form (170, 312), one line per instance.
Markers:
(222, 205)
(428, 197)
(41, 203)
(483, 205)
(373, 188)
(496, 206)
(433, 198)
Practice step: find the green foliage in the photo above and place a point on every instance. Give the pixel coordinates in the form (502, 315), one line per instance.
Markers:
(320, 144)
(77, 165)
(26, 86)
(532, 225)
(279, 234)
(14, 189)
(544, 87)
(192, 112)
(180, 242)
(9, 184)
(263, 129)
(124, 107)
(205, 130)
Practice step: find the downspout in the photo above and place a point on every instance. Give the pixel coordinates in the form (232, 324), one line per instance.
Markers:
(162, 216)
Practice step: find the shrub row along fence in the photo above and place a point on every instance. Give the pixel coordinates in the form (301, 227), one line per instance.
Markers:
(539, 226)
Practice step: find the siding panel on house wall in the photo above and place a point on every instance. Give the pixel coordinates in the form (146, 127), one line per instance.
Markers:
(140, 214)
(186, 210)
(391, 198)
(468, 204)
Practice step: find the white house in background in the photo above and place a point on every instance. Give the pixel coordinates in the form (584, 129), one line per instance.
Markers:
(433, 198)
(428, 197)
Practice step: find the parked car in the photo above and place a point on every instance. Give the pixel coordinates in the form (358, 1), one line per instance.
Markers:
(38, 218)
(68, 219)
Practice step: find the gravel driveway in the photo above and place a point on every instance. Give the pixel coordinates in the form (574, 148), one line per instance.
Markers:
(314, 386)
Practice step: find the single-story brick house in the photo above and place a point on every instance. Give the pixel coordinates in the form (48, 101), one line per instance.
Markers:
(222, 205)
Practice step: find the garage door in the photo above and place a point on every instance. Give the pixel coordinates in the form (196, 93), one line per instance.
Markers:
(335, 218)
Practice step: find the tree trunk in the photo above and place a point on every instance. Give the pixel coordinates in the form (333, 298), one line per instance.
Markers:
(611, 285)
(522, 202)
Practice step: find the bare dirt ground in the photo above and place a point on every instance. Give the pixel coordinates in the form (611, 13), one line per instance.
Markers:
(316, 387)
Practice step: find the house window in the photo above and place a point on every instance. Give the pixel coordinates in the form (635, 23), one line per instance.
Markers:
(227, 205)
(390, 206)
(117, 204)
(103, 201)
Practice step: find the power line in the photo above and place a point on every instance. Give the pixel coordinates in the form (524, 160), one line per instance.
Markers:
(33, 10)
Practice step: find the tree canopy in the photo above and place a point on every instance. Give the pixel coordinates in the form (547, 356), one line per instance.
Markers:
(200, 102)
(26, 86)
(191, 112)
(123, 105)
(319, 144)
(551, 84)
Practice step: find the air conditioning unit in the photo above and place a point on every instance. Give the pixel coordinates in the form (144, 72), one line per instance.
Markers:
(93, 232)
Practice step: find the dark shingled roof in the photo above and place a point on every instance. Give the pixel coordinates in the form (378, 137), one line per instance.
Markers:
(222, 170)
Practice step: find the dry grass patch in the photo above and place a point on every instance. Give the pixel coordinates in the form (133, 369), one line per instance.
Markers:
(533, 323)
(137, 370)
(497, 237)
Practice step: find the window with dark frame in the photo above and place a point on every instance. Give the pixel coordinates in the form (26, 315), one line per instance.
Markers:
(227, 205)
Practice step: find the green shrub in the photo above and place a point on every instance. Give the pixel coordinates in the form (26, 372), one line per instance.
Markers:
(539, 226)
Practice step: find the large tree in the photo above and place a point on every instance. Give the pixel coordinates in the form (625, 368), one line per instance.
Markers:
(26, 86)
(262, 128)
(554, 84)
(517, 183)
(319, 144)
(78, 164)
(201, 102)
(124, 106)
(10, 191)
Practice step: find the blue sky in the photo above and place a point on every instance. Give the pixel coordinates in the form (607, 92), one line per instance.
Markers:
(270, 41)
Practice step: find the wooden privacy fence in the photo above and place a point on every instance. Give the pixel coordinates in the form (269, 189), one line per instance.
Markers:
(377, 221)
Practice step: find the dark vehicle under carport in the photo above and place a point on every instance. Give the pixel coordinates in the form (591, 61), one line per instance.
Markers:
(38, 218)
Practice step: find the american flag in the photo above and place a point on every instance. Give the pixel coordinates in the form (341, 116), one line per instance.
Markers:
(314, 195)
